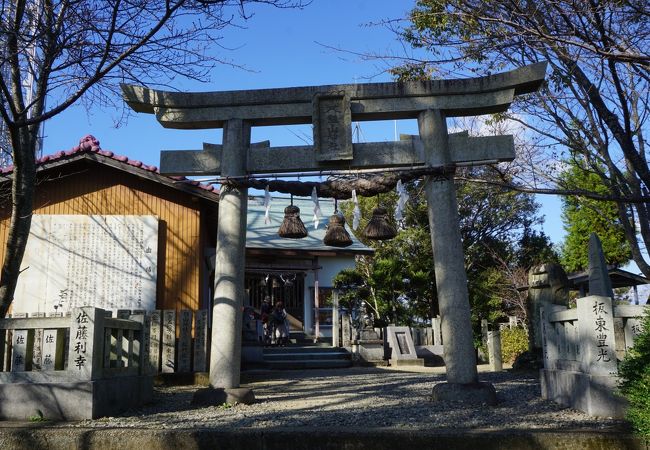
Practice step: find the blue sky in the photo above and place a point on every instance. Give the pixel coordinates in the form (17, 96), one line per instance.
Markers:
(280, 48)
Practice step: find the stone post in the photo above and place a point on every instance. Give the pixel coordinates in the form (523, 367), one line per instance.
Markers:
(550, 335)
(53, 342)
(494, 350)
(346, 334)
(21, 355)
(632, 328)
(335, 319)
(437, 336)
(225, 352)
(137, 351)
(484, 331)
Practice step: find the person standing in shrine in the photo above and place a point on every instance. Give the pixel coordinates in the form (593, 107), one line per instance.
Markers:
(265, 312)
(280, 324)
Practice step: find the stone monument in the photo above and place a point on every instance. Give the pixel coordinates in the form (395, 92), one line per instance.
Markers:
(580, 345)
(402, 347)
(331, 109)
(367, 346)
(547, 285)
(599, 281)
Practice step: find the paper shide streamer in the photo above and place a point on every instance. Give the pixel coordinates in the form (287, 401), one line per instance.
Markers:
(267, 206)
(402, 198)
(356, 213)
(317, 211)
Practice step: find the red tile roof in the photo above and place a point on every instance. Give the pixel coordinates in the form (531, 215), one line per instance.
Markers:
(90, 144)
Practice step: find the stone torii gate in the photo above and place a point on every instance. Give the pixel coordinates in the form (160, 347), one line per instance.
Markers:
(331, 109)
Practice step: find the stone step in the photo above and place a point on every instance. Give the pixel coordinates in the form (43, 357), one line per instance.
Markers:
(300, 338)
(303, 349)
(309, 364)
(310, 343)
(306, 357)
(299, 356)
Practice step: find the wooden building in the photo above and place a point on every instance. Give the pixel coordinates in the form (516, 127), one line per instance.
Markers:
(89, 181)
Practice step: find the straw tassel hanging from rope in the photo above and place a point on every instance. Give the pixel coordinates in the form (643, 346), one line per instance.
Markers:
(379, 228)
(336, 234)
(292, 226)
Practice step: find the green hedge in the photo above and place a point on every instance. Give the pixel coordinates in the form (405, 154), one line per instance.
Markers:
(514, 342)
(635, 380)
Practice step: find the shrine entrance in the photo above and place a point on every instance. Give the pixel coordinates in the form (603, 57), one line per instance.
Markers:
(285, 286)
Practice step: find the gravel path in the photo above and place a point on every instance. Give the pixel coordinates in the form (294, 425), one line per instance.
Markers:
(359, 397)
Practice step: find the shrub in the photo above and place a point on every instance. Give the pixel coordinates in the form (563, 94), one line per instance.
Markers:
(514, 342)
(635, 380)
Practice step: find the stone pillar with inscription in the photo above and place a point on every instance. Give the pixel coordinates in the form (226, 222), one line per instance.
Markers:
(184, 341)
(154, 341)
(83, 352)
(346, 332)
(596, 335)
(37, 355)
(549, 337)
(168, 341)
(21, 356)
(53, 342)
(146, 342)
(631, 329)
(200, 340)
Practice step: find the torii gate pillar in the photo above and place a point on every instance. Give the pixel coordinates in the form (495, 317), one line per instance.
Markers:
(449, 266)
(225, 351)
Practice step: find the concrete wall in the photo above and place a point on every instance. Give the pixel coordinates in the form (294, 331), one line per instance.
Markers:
(74, 400)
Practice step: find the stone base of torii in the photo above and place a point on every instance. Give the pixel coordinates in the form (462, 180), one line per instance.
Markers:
(331, 109)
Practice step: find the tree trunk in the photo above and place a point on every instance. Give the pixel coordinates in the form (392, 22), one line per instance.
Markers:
(22, 195)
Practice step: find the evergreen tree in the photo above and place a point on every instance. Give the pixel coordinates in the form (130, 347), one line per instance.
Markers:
(582, 216)
(496, 226)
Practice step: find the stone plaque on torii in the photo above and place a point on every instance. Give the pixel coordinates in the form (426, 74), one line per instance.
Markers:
(331, 110)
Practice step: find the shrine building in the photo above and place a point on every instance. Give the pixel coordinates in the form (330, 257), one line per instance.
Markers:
(113, 232)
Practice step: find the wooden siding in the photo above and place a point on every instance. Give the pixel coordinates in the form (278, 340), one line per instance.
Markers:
(96, 189)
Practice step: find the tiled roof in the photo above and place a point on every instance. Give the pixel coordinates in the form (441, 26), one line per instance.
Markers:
(90, 145)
